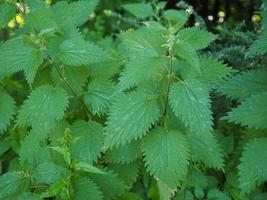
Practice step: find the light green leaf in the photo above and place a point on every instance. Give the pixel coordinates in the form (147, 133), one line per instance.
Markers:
(190, 102)
(73, 13)
(12, 183)
(9, 12)
(99, 95)
(130, 118)
(139, 10)
(216, 194)
(89, 141)
(48, 172)
(74, 50)
(186, 52)
(166, 155)
(86, 189)
(176, 18)
(29, 158)
(7, 108)
(252, 112)
(197, 38)
(43, 108)
(75, 76)
(245, 84)
(141, 70)
(124, 153)
(20, 54)
(85, 167)
(205, 148)
(144, 42)
(252, 169)
(110, 184)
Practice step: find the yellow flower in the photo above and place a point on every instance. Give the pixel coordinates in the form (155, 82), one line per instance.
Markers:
(11, 23)
(20, 19)
(48, 1)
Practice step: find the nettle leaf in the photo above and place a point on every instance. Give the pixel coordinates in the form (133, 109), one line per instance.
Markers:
(130, 118)
(7, 108)
(186, 52)
(109, 183)
(20, 54)
(252, 112)
(128, 173)
(213, 71)
(190, 102)
(177, 18)
(139, 10)
(245, 84)
(9, 11)
(142, 43)
(48, 172)
(198, 39)
(166, 155)
(76, 77)
(141, 70)
(252, 169)
(74, 50)
(86, 189)
(32, 159)
(12, 183)
(28, 196)
(99, 95)
(89, 141)
(205, 148)
(74, 13)
(43, 108)
(216, 194)
(122, 154)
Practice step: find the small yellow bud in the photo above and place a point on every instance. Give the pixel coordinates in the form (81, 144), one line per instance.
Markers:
(221, 14)
(93, 15)
(256, 18)
(11, 23)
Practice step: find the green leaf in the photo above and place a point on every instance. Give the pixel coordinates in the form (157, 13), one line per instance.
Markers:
(176, 18)
(259, 46)
(74, 13)
(186, 52)
(252, 112)
(190, 102)
(76, 77)
(252, 169)
(245, 84)
(124, 153)
(29, 158)
(216, 194)
(205, 148)
(7, 108)
(28, 196)
(110, 184)
(20, 54)
(86, 189)
(139, 10)
(48, 172)
(141, 70)
(74, 50)
(213, 71)
(89, 141)
(197, 38)
(99, 95)
(43, 108)
(130, 118)
(166, 155)
(12, 183)
(85, 167)
(128, 173)
(9, 12)
(144, 42)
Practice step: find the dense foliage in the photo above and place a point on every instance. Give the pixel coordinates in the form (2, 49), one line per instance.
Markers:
(132, 104)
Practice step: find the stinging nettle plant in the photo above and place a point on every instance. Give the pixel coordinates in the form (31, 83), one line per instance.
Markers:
(95, 120)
